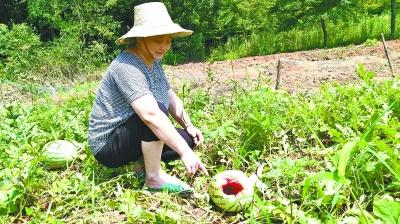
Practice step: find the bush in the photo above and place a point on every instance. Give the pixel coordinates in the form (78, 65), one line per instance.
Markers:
(67, 58)
(186, 49)
(25, 58)
(18, 46)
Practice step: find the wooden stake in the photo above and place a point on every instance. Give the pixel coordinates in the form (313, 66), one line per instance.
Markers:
(278, 75)
(387, 55)
(233, 71)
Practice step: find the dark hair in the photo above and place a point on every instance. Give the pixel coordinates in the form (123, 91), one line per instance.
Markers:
(130, 42)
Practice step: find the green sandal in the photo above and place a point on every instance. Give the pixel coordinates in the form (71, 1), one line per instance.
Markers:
(172, 188)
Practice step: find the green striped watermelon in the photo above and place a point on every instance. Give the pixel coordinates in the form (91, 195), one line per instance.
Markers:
(59, 153)
(231, 190)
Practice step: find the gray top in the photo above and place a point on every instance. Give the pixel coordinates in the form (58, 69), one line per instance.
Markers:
(126, 79)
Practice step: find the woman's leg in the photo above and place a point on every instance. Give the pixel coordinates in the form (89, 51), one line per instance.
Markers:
(153, 151)
(155, 177)
(152, 161)
(125, 144)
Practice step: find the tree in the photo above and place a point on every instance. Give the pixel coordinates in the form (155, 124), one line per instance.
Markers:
(292, 13)
(214, 21)
(12, 11)
(393, 18)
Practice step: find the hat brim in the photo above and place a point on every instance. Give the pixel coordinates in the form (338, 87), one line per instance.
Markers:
(146, 31)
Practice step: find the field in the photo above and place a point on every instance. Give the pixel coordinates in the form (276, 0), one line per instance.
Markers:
(330, 155)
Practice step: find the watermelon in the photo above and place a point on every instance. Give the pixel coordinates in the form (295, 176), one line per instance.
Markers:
(59, 153)
(231, 190)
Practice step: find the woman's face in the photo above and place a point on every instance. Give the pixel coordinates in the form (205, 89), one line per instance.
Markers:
(157, 46)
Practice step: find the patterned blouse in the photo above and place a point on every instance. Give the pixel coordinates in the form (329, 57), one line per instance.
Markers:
(126, 79)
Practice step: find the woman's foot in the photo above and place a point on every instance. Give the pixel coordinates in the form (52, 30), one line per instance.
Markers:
(137, 167)
(163, 179)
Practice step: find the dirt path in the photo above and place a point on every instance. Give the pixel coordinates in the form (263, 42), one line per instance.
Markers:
(300, 71)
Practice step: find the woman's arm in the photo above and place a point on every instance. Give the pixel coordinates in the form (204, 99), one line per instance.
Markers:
(147, 109)
(179, 114)
(177, 111)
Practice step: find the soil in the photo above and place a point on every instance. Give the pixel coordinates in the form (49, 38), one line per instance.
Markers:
(300, 71)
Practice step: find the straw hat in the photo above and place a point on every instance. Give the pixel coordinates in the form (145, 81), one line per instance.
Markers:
(152, 19)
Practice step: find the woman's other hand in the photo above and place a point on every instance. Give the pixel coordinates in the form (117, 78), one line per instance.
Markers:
(196, 134)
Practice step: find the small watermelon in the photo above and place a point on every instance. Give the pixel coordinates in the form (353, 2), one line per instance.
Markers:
(231, 190)
(59, 153)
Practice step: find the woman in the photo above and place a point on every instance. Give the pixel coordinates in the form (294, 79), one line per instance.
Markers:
(129, 118)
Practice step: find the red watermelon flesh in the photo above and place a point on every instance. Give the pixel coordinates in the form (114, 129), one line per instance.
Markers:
(232, 187)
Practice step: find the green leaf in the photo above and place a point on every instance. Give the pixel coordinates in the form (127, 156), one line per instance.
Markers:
(387, 209)
(344, 156)
(367, 136)
(395, 174)
(29, 211)
(317, 177)
(365, 75)
(167, 216)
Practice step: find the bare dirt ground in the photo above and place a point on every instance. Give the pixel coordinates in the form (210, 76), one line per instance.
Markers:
(300, 71)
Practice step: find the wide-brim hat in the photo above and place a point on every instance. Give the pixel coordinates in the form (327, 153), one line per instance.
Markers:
(152, 19)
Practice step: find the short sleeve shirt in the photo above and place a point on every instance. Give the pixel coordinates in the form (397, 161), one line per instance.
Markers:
(126, 79)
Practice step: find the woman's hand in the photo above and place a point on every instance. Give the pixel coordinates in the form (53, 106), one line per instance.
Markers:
(193, 163)
(196, 134)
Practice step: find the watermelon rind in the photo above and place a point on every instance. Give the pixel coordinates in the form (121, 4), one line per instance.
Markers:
(231, 203)
(59, 153)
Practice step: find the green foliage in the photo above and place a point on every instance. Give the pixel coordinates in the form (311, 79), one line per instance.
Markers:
(339, 34)
(26, 58)
(387, 209)
(309, 13)
(323, 157)
(81, 34)
(85, 18)
(344, 157)
(348, 136)
(12, 12)
(18, 38)
(9, 195)
(18, 46)
(68, 58)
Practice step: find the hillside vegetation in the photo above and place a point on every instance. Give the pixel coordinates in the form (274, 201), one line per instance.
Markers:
(43, 40)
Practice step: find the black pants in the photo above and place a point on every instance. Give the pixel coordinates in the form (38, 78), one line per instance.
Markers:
(124, 145)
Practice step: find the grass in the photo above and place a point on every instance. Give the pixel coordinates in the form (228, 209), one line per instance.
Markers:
(340, 34)
(304, 145)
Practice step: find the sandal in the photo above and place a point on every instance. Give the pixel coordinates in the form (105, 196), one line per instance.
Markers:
(172, 188)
